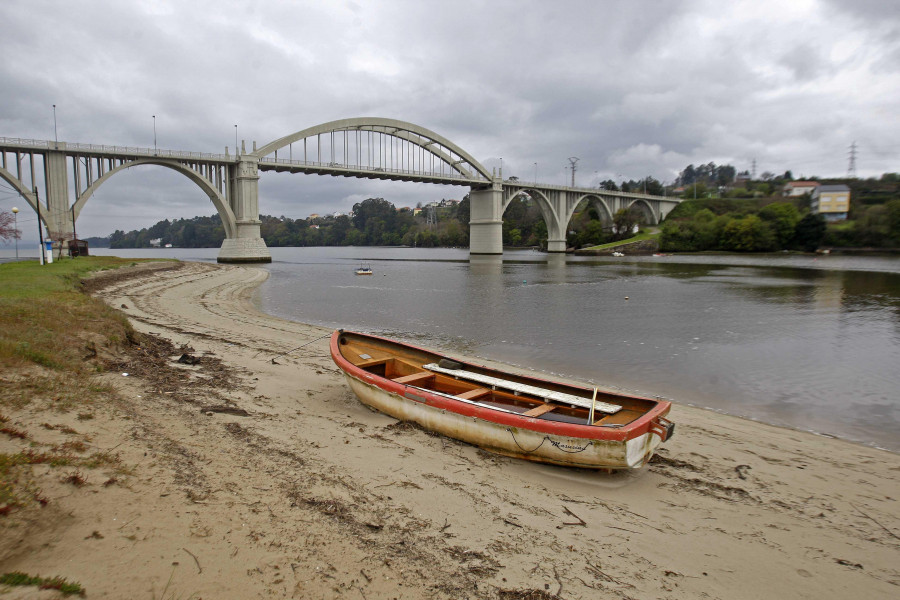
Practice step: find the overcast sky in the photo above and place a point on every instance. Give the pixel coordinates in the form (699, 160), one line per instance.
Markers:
(633, 88)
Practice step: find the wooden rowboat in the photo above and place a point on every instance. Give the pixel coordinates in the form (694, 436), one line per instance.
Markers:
(514, 415)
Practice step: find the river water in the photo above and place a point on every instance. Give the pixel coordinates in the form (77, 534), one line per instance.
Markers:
(811, 343)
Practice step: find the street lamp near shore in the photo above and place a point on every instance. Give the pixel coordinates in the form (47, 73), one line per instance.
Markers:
(15, 210)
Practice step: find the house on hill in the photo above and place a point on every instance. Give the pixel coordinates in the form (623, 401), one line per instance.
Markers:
(798, 188)
(831, 201)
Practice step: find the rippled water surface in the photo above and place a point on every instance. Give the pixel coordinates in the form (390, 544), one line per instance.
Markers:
(806, 342)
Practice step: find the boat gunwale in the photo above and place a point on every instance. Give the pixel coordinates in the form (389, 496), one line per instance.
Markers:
(639, 426)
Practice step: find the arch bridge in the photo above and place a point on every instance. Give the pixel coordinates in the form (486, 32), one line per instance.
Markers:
(372, 148)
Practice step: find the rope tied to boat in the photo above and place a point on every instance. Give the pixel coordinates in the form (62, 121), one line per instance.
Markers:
(298, 347)
(558, 445)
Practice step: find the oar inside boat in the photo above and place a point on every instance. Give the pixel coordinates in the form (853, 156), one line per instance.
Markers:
(524, 388)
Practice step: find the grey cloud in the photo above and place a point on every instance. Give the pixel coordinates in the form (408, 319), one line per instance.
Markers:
(629, 87)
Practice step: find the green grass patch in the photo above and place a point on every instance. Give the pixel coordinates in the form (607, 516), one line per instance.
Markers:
(67, 588)
(842, 226)
(45, 319)
(638, 238)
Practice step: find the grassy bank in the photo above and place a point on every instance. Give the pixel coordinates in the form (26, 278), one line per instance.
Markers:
(48, 322)
(638, 238)
(53, 339)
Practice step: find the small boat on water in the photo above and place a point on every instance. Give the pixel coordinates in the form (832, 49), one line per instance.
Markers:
(503, 412)
(366, 270)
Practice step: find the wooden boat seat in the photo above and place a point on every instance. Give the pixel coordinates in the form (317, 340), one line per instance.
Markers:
(473, 394)
(372, 362)
(539, 410)
(415, 378)
(524, 388)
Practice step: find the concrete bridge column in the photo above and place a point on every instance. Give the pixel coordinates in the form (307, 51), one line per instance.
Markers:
(556, 230)
(556, 245)
(486, 219)
(247, 246)
(55, 212)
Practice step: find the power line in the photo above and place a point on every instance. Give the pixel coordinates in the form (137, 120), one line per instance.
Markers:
(573, 160)
(851, 167)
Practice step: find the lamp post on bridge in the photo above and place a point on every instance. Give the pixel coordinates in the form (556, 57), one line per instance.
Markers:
(55, 134)
(15, 210)
(154, 136)
(236, 151)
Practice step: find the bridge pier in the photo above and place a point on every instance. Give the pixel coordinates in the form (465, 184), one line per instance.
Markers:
(486, 219)
(247, 246)
(56, 214)
(562, 203)
(556, 246)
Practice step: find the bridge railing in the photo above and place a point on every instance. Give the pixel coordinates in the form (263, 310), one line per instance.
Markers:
(115, 150)
(580, 190)
(134, 150)
(8, 141)
(366, 169)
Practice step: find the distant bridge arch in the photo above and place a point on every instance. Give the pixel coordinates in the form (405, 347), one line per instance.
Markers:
(350, 142)
(546, 206)
(225, 213)
(608, 204)
(595, 200)
(647, 211)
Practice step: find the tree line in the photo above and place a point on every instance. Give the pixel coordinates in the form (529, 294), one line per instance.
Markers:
(762, 226)
(373, 222)
(744, 215)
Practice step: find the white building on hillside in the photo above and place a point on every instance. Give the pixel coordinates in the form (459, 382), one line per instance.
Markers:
(798, 188)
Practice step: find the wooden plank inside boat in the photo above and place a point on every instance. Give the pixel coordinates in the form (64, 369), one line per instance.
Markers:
(540, 410)
(473, 394)
(420, 379)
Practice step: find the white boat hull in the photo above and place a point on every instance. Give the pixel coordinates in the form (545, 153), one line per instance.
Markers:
(507, 440)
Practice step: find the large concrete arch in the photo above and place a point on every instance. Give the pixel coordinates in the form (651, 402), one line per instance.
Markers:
(229, 222)
(647, 210)
(598, 201)
(20, 187)
(415, 134)
(543, 202)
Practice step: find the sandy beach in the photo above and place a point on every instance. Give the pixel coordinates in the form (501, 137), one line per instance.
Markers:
(252, 478)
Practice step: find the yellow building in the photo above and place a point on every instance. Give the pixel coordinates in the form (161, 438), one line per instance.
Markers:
(831, 201)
